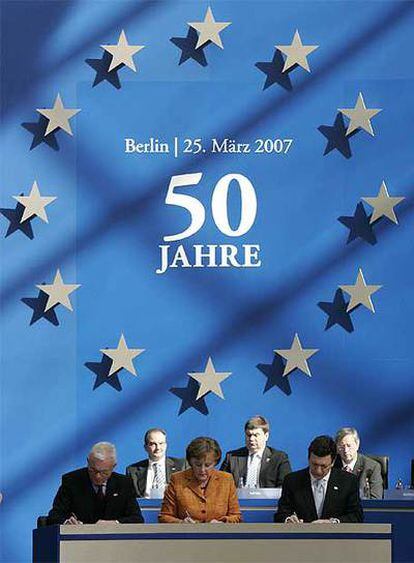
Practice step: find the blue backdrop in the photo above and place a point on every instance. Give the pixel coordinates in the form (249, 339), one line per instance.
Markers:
(110, 217)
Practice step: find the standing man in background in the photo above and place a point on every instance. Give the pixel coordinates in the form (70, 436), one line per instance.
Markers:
(257, 465)
(366, 469)
(155, 471)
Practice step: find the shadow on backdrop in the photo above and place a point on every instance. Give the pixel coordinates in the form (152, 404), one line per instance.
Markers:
(359, 225)
(187, 45)
(274, 375)
(14, 216)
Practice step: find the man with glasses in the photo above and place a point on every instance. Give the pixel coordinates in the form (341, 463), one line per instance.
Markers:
(154, 473)
(320, 493)
(95, 494)
(349, 459)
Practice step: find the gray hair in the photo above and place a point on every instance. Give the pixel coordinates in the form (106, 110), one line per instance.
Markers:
(103, 451)
(347, 431)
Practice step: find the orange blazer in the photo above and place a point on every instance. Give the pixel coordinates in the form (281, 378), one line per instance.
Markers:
(184, 497)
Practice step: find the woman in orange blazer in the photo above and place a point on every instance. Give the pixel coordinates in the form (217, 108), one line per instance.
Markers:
(201, 493)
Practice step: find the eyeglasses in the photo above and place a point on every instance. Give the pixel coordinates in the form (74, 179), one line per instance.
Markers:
(103, 472)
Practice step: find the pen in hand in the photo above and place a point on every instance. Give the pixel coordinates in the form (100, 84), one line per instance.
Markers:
(73, 520)
(188, 518)
(293, 519)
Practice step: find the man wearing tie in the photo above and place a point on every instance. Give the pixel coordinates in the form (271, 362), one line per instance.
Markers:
(320, 493)
(257, 465)
(349, 459)
(155, 471)
(95, 494)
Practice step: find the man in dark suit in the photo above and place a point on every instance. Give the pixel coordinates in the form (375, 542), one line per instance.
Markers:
(256, 465)
(95, 494)
(155, 471)
(366, 469)
(320, 493)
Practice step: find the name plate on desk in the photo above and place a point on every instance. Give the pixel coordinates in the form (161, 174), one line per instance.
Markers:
(399, 494)
(246, 493)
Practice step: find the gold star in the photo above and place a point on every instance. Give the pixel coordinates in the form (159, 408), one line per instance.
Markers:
(296, 357)
(209, 380)
(122, 356)
(296, 53)
(34, 204)
(360, 293)
(58, 292)
(383, 205)
(209, 29)
(360, 116)
(122, 52)
(58, 116)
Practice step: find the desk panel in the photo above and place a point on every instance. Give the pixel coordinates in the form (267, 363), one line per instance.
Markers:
(224, 543)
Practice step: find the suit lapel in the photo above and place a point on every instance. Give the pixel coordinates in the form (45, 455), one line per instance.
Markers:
(141, 478)
(331, 493)
(242, 467)
(264, 466)
(111, 489)
(358, 466)
(169, 468)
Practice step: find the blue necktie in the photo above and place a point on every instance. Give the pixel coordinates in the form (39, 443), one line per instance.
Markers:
(319, 496)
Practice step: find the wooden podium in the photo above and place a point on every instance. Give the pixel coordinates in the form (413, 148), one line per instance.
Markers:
(213, 543)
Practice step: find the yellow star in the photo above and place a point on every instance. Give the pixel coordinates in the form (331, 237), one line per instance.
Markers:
(58, 292)
(296, 53)
(122, 356)
(296, 357)
(34, 204)
(122, 52)
(383, 205)
(58, 116)
(360, 293)
(209, 29)
(209, 380)
(360, 116)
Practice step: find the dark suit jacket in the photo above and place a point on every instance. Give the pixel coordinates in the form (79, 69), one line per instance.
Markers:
(76, 494)
(341, 499)
(138, 472)
(366, 468)
(275, 465)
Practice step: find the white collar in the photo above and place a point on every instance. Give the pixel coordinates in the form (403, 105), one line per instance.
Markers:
(350, 465)
(324, 480)
(259, 454)
(159, 462)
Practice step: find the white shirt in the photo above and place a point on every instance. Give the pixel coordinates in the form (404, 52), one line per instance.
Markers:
(151, 475)
(314, 484)
(349, 465)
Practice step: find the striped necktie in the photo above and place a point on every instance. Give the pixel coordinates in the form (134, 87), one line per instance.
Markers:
(251, 478)
(158, 481)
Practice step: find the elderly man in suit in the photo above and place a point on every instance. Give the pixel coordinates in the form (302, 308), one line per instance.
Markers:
(320, 493)
(95, 494)
(257, 465)
(155, 471)
(366, 469)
